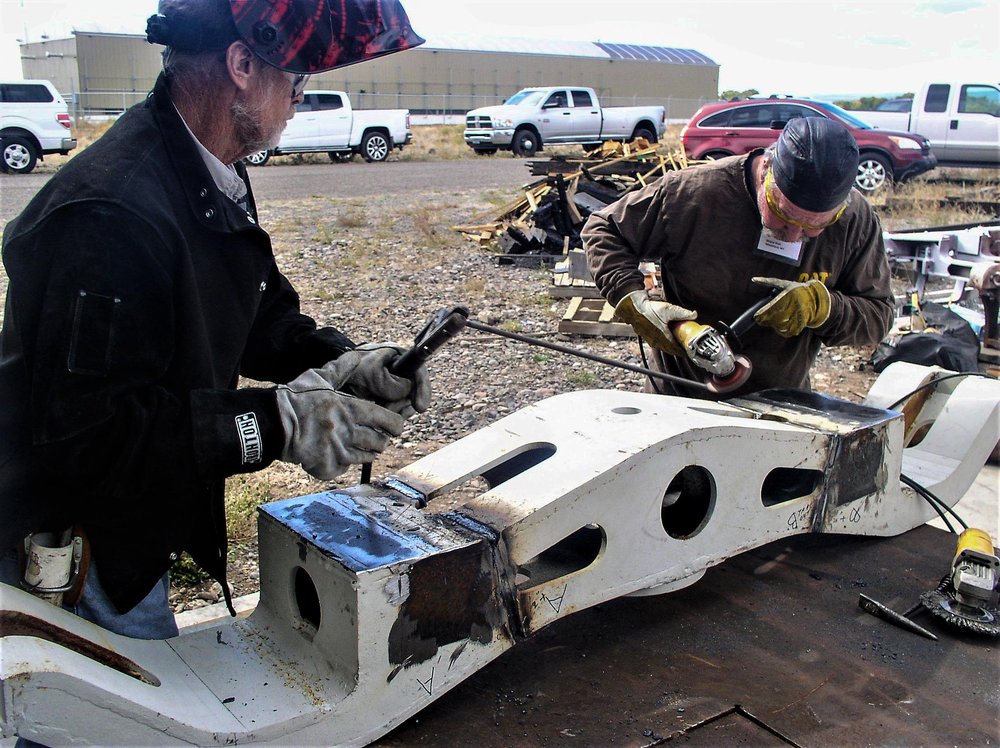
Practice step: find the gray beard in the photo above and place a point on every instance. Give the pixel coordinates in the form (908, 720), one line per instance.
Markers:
(781, 233)
(249, 131)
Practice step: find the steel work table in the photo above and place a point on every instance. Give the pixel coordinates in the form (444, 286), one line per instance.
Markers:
(769, 648)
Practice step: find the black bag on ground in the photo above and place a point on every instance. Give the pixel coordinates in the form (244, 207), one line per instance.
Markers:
(952, 344)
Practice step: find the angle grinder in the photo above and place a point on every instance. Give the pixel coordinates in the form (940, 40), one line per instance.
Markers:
(713, 350)
(967, 595)
(709, 350)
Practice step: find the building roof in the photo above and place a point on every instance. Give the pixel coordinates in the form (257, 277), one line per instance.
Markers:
(515, 45)
(606, 50)
(655, 54)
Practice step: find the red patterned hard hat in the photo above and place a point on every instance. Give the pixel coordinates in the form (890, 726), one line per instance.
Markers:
(299, 36)
(310, 37)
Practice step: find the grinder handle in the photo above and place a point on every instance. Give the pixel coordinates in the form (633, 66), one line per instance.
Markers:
(745, 321)
(441, 328)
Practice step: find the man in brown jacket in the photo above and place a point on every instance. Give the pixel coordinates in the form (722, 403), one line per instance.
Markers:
(784, 221)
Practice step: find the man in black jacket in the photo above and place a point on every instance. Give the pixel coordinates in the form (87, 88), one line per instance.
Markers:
(142, 288)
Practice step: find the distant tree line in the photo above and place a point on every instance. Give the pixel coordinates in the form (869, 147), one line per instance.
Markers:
(869, 103)
(735, 95)
(865, 103)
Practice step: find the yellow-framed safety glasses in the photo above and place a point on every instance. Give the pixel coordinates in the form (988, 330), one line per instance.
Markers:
(772, 205)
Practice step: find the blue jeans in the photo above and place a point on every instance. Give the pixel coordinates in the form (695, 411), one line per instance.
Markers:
(152, 618)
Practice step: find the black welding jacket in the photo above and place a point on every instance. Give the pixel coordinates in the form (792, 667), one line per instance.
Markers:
(138, 293)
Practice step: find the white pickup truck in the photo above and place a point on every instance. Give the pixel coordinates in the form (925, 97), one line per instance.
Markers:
(558, 115)
(961, 121)
(34, 122)
(325, 122)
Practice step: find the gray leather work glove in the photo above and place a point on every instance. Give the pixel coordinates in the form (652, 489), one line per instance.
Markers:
(650, 319)
(326, 431)
(364, 372)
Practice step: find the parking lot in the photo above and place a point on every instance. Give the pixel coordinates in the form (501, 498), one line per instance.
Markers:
(286, 181)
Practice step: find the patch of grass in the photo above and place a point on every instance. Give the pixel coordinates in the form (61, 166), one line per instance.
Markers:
(474, 286)
(534, 299)
(186, 573)
(244, 493)
(427, 225)
(929, 200)
(280, 226)
(581, 379)
(496, 197)
(511, 325)
(436, 143)
(352, 218)
(87, 131)
(324, 234)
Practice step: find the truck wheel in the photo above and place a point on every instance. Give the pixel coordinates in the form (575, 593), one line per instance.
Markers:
(644, 132)
(874, 173)
(18, 155)
(259, 158)
(375, 146)
(525, 143)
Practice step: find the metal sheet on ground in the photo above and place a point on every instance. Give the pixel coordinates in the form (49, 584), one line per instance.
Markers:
(776, 631)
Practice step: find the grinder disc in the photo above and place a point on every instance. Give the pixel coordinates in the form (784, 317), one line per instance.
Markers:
(980, 620)
(722, 385)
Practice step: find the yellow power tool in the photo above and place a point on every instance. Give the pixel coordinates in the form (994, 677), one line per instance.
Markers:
(709, 350)
(967, 595)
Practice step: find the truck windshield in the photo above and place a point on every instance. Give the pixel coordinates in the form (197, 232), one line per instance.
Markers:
(527, 97)
(843, 115)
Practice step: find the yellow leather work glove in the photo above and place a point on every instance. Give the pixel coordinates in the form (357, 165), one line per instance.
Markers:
(650, 319)
(798, 306)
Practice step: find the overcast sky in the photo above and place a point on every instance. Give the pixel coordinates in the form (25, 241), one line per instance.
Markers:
(801, 47)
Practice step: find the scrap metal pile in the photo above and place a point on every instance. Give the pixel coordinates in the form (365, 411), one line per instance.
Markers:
(544, 223)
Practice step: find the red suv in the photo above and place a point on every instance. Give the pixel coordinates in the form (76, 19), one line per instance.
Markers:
(733, 127)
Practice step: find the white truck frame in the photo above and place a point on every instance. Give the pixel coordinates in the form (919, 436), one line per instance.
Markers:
(326, 122)
(373, 604)
(558, 115)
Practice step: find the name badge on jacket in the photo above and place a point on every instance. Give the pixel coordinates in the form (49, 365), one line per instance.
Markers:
(771, 246)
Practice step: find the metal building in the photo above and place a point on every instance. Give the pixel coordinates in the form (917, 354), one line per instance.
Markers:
(103, 72)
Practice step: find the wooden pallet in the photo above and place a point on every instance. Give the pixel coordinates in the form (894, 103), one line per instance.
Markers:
(572, 277)
(564, 287)
(593, 317)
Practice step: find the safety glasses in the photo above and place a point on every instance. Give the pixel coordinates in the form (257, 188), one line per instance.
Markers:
(772, 205)
(299, 84)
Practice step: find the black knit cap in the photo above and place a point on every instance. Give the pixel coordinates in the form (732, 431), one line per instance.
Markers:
(815, 163)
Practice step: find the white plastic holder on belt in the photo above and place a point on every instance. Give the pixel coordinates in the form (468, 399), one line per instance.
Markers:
(53, 564)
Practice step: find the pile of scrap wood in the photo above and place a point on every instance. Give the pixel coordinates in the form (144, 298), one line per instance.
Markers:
(544, 223)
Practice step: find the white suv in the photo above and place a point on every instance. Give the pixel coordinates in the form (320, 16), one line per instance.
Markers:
(34, 121)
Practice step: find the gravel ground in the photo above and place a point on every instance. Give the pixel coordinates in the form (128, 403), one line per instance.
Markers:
(378, 268)
(378, 264)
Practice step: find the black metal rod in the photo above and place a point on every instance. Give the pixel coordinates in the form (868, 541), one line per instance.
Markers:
(879, 610)
(583, 354)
